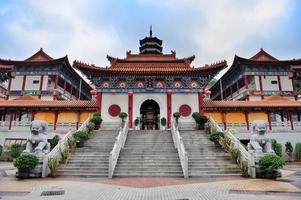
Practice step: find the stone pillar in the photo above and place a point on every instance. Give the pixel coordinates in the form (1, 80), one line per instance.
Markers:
(130, 108)
(169, 92)
(98, 101)
(247, 120)
(23, 85)
(41, 85)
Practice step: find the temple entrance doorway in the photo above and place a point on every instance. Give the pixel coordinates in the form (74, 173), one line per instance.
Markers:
(150, 115)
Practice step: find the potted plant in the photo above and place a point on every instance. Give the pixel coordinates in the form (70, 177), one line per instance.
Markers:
(24, 163)
(65, 154)
(71, 143)
(80, 137)
(298, 151)
(289, 151)
(163, 123)
(215, 137)
(270, 164)
(53, 164)
(234, 152)
(96, 119)
(123, 115)
(136, 122)
(225, 142)
(177, 116)
(90, 127)
(201, 120)
(244, 168)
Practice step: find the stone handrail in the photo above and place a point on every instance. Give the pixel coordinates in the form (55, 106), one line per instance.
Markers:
(244, 154)
(119, 144)
(63, 143)
(178, 142)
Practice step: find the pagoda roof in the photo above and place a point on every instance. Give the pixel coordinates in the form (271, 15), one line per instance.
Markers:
(39, 56)
(262, 55)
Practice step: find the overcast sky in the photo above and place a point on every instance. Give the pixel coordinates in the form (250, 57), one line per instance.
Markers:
(88, 30)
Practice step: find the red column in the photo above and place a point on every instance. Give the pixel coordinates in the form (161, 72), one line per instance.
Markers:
(269, 120)
(78, 120)
(294, 89)
(169, 92)
(98, 101)
(246, 85)
(201, 97)
(247, 120)
(64, 86)
(130, 108)
(10, 120)
(23, 84)
(32, 115)
(260, 86)
(224, 120)
(56, 113)
(279, 83)
(41, 86)
(291, 120)
(8, 88)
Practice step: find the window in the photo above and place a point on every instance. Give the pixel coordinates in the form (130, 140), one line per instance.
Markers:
(274, 82)
(35, 81)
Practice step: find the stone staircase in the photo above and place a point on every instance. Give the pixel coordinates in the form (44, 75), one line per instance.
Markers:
(92, 160)
(148, 153)
(206, 160)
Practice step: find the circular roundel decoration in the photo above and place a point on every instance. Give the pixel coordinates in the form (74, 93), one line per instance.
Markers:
(122, 84)
(105, 84)
(114, 110)
(185, 110)
(194, 84)
(140, 84)
(159, 85)
(177, 84)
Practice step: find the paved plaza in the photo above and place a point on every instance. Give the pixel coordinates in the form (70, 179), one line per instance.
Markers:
(289, 187)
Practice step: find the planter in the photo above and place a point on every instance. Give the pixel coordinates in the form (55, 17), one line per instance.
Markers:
(97, 126)
(201, 126)
(272, 175)
(80, 144)
(23, 174)
(217, 144)
(136, 128)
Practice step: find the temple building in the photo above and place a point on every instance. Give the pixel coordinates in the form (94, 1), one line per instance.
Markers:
(150, 85)
(46, 78)
(5, 74)
(256, 78)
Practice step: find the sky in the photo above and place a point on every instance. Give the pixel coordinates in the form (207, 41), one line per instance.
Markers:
(89, 30)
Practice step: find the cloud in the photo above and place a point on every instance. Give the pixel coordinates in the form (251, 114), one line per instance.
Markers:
(62, 27)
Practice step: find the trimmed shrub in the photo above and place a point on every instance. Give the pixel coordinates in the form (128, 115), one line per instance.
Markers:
(195, 115)
(277, 147)
(298, 151)
(216, 136)
(271, 163)
(136, 121)
(96, 119)
(81, 136)
(26, 162)
(54, 141)
(123, 115)
(163, 121)
(16, 150)
(177, 116)
(289, 149)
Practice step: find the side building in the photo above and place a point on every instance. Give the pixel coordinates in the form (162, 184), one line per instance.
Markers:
(46, 78)
(256, 78)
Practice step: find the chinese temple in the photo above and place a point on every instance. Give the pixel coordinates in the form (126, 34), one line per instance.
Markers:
(150, 85)
(256, 78)
(46, 78)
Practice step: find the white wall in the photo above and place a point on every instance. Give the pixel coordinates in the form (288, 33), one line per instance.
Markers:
(29, 83)
(286, 83)
(255, 98)
(16, 83)
(267, 85)
(189, 99)
(139, 98)
(257, 83)
(109, 99)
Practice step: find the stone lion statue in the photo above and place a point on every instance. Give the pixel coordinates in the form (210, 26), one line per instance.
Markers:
(259, 142)
(37, 141)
